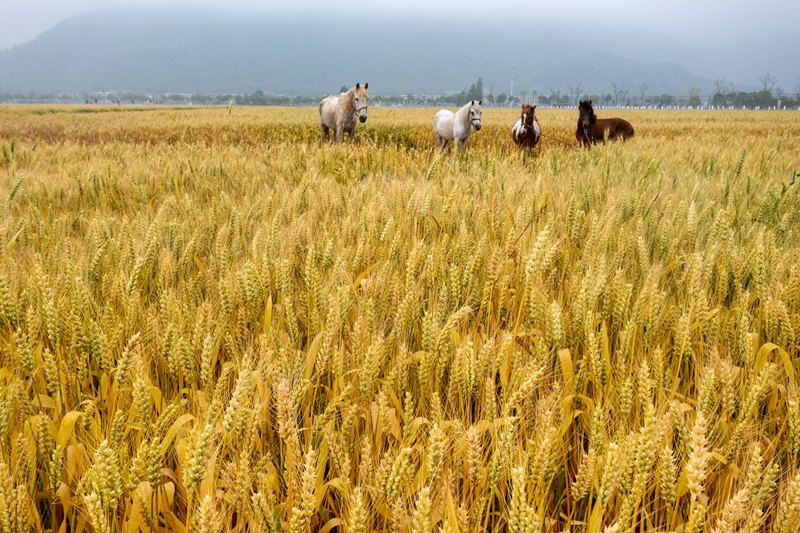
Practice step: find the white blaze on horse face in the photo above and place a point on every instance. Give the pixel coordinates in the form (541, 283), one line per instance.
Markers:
(523, 129)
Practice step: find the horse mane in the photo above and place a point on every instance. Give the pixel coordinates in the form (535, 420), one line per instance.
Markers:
(588, 105)
(463, 113)
(347, 101)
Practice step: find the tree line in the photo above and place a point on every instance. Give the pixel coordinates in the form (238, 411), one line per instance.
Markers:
(770, 95)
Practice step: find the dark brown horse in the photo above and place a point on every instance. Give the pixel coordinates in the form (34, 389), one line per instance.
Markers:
(526, 131)
(592, 129)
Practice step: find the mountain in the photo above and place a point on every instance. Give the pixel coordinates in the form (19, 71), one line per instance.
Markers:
(189, 51)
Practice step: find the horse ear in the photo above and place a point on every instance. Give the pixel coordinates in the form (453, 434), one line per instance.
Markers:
(472, 103)
(580, 102)
(590, 102)
(479, 102)
(533, 108)
(366, 85)
(358, 85)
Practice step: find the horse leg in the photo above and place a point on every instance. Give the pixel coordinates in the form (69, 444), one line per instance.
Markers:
(326, 132)
(339, 133)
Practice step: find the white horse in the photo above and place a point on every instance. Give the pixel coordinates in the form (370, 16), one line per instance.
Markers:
(338, 113)
(449, 126)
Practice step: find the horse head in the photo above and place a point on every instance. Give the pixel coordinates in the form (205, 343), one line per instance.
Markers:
(475, 114)
(586, 112)
(527, 117)
(362, 100)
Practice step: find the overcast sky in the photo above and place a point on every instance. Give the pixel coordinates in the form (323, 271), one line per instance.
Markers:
(728, 32)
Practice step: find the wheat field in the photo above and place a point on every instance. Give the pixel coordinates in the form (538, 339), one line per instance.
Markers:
(211, 322)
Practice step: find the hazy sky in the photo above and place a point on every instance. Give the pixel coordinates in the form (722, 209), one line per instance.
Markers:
(753, 34)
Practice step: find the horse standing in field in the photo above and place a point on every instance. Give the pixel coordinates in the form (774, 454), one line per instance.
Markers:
(526, 131)
(592, 129)
(449, 126)
(338, 113)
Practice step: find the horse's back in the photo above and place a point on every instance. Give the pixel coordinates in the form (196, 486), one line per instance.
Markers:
(628, 128)
(621, 128)
(443, 123)
(614, 128)
(328, 101)
(441, 115)
(327, 110)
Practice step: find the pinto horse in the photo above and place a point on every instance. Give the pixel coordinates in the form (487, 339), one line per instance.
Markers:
(591, 129)
(526, 130)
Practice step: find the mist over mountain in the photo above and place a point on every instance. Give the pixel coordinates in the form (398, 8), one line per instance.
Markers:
(208, 52)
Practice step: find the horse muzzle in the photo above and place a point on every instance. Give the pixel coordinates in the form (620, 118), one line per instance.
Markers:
(477, 126)
(362, 118)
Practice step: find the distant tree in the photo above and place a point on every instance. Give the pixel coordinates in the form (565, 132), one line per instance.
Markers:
(723, 90)
(642, 90)
(479, 88)
(666, 100)
(723, 86)
(762, 98)
(574, 93)
(694, 97)
(768, 82)
(343, 89)
(502, 98)
(554, 97)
